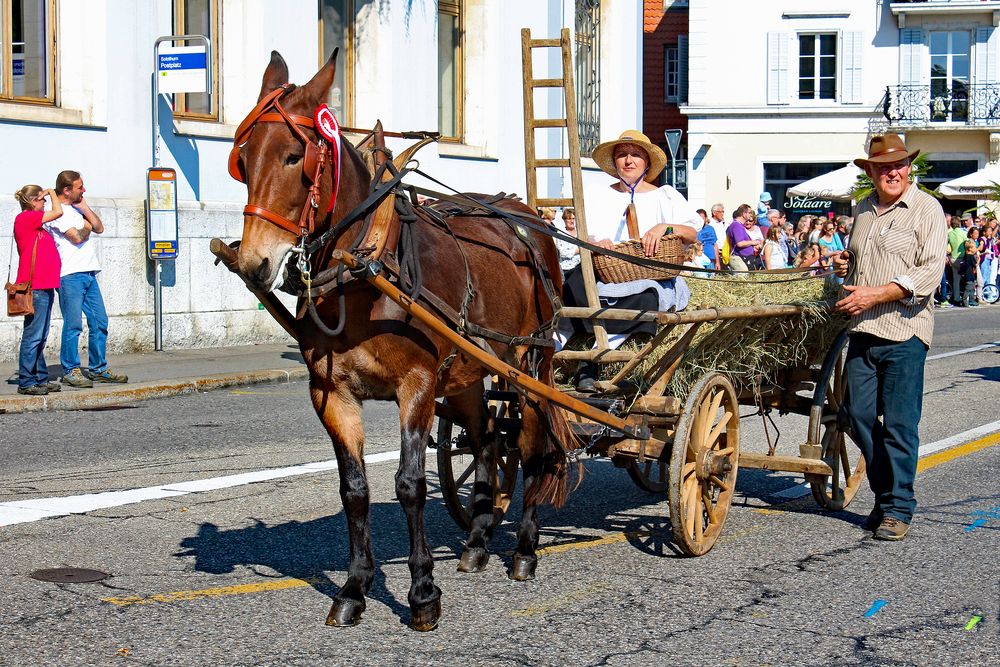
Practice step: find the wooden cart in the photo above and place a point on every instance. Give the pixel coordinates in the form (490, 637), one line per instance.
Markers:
(693, 450)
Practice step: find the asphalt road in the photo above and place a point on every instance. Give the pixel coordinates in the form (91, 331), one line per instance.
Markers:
(243, 575)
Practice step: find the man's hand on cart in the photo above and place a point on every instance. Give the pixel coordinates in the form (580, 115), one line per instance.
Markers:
(841, 263)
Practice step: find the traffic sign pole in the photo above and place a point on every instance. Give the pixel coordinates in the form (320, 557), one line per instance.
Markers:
(182, 68)
(673, 144)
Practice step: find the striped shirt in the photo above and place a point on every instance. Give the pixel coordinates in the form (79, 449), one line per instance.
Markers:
(904, 245)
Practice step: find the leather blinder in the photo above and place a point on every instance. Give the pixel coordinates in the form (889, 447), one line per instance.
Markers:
(236, 168)
(309, 162)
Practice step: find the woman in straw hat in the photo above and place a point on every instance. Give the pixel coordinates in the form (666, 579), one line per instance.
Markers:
(635, 163)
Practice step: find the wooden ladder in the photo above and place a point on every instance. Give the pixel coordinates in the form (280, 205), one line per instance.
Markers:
(532, 163)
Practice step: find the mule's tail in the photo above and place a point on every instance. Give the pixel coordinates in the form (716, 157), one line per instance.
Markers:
(552, 483)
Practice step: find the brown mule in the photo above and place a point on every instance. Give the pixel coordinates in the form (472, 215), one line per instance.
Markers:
(476, 264)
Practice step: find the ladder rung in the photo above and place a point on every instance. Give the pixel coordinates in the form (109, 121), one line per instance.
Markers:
(558, 162)
(547, 83)
(535, 43)
(560, 202)
(549, 122)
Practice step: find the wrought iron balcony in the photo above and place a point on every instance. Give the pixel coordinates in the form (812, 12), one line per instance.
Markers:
(922, 106)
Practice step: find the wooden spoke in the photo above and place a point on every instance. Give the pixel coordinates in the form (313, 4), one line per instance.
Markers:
(471, 468)
(698, 507)
(721, 483)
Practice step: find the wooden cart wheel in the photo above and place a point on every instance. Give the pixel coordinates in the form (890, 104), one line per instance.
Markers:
(703, 464)
(456, 472)
(650, 475)
(835, 492)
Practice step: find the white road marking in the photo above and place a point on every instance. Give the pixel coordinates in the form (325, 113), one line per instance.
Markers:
(955, 353)
(23, 511)
(803, 489)
(34, 509)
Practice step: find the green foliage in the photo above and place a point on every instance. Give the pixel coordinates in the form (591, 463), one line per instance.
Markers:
(918, 169)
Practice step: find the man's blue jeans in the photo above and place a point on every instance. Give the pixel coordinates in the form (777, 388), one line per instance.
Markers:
(886, 378)
(31, 363)
(80, 294)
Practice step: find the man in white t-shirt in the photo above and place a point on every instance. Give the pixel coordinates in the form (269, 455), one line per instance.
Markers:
(79, 290)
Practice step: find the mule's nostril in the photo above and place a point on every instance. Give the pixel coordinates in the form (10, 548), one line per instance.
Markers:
(264, 270)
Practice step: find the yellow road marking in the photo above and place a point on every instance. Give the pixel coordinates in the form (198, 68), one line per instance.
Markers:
(556, 602)
(926, 463)
(221, 591)
(938, 458)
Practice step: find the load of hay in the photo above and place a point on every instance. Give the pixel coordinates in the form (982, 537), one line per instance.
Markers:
(751, 352)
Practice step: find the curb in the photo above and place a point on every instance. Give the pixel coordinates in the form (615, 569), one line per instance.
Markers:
(141, 391)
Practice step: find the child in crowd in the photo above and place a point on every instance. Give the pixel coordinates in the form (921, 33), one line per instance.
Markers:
(968, 270)
(696, 258)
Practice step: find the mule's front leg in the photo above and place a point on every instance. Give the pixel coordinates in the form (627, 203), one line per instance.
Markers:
(416, 417)
(341, 415)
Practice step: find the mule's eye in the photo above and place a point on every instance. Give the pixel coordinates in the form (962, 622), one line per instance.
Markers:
(292, 160)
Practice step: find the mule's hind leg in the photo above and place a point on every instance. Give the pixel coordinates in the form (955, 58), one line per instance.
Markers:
(341, 415)
(469, 405)
(416, 414)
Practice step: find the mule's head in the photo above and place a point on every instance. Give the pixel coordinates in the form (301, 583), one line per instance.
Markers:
(277, 162)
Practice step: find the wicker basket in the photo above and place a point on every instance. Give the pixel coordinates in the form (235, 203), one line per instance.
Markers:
(614, 270)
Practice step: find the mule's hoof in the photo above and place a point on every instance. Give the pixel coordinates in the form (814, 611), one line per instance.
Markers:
(523, 568)
(473, 560)
(424, 618)
(345, 613)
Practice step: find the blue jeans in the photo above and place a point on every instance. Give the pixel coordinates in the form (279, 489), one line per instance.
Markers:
(886, 378)
(80, 294)
(31, 362)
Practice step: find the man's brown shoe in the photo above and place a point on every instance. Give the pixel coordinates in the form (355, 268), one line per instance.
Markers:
(892, 529)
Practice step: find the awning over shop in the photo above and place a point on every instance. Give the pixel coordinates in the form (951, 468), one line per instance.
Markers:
(836, 185)
(977, 185)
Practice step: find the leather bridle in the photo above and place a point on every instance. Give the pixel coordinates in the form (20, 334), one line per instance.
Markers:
(318, 156)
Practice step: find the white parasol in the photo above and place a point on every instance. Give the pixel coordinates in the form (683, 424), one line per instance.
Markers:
(977, 185)
(836, 185)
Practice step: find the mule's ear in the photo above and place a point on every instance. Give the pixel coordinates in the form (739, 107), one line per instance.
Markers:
(319, 86)
(275, 76)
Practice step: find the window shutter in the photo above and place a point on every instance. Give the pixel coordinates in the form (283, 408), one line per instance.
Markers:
(682, 69)
(777, 68)
(851, 48)
(911, 51)
(986, 55)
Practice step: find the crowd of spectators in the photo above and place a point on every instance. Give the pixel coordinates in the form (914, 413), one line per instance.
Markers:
(969, 268)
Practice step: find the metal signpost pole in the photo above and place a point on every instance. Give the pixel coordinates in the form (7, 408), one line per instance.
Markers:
(166, 248)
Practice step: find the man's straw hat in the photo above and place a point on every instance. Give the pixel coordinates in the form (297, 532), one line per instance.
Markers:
(604, 155)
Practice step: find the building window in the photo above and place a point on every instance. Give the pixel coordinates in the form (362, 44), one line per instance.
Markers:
(199, 17)
(951, 58)
(450, 85)
(588, 73)
(336, 29)
(675, 71)
(671, 74)
(818, 67)
(28, 50)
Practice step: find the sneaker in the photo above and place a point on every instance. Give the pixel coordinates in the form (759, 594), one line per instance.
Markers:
(53, 387)
(892, 529)
(107, 375)
(37, 390)
(945, 304)
(76, 378)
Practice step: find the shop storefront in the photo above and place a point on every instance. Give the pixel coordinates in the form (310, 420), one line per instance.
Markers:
(779, 177)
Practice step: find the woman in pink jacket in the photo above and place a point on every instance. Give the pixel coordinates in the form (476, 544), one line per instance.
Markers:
(38, 262)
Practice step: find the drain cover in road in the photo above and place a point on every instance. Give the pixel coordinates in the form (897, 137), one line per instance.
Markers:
(69, 575)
